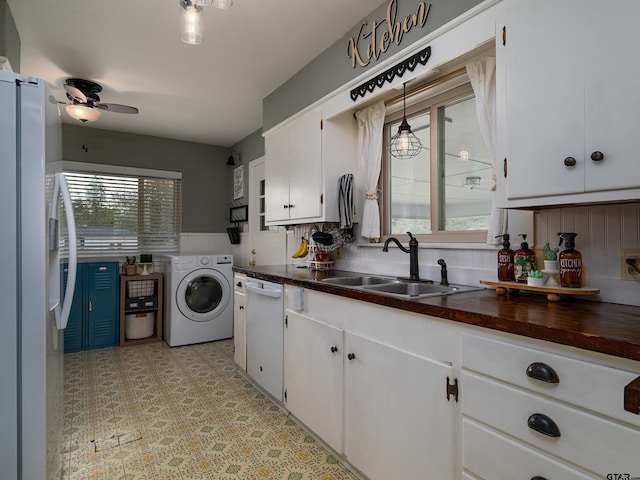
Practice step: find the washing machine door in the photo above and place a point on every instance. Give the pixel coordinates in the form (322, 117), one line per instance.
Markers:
(203, 294)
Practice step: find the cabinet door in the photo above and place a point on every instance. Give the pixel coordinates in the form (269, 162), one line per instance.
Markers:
(545, 99)
(239, 328)
(313, 376)
(74, 333)
(305, 167)
(398, 422)
(102, 293)
(612, 107)
(277, 176)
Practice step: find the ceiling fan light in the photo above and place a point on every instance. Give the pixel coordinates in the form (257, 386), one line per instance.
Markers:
(83, 113)
(190, 23)
(224, 4)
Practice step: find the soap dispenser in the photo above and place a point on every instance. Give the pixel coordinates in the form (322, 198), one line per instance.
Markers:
(570, 262)
(505, 260)
(524, 260)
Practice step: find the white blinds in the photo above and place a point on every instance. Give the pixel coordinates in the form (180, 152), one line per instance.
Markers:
(125, 213)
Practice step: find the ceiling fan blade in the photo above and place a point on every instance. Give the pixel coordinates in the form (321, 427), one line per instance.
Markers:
(116, 108)
(75, 94)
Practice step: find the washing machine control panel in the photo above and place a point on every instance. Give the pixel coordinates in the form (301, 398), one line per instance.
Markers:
(204, 261)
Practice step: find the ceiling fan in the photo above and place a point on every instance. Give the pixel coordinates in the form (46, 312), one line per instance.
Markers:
(84, 103)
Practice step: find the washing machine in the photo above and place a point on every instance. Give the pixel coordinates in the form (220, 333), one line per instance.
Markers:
(199, 298)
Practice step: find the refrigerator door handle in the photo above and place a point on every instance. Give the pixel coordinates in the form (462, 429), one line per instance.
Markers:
(62, 312)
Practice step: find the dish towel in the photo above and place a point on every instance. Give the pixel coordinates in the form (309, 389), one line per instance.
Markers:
(345, 200)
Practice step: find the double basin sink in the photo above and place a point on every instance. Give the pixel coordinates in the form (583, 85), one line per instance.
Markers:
(396, 287)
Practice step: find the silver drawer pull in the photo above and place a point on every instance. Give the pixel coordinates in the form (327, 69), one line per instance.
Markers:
(543, 372)
(543, 424)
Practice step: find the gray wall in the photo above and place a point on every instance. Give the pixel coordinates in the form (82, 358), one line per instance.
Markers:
(9, 37)
(206, 181)
(332, 68)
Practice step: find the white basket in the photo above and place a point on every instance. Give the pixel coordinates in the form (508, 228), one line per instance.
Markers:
(139, 325)
(315, 264)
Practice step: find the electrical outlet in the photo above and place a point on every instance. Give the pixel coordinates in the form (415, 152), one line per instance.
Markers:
(628, 273)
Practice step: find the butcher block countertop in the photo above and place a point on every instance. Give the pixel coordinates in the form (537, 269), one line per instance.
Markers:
(596, 326)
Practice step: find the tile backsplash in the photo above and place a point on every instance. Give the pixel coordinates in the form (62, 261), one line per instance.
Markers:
(603, 230)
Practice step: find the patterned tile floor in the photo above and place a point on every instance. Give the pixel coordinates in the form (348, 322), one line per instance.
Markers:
(154, 412)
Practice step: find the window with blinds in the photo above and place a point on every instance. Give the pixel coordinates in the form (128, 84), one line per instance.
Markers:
(125, 213)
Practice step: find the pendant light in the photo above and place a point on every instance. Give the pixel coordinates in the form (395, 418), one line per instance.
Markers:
(404, 144)
(191, 22)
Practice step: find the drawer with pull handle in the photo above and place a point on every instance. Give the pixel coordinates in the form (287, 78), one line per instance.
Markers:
(592, 442)
(490, 455)
(589, 385)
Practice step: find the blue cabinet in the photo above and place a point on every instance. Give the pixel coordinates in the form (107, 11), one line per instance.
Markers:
(93, 321)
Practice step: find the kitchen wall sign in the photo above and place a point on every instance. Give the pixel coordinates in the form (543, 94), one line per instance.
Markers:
(398, 70)
(238, 182)
(374, 40)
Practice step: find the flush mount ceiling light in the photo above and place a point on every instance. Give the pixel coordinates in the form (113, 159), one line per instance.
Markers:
(191, 18)
(191, 22)
(404, 144)
(83, 113)
(224, 4)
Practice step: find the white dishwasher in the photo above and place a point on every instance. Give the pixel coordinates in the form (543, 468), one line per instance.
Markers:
(265, 335)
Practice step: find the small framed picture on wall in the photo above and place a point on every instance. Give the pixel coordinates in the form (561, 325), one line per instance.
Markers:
(238, 182)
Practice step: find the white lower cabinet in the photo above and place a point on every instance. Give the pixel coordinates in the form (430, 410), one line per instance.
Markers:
(361, 384)
(371, 381)
(398, 423)
(536, 413)
(313, 376)
(239, 321)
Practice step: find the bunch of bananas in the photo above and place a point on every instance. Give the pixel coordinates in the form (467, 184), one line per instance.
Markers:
(303, 249)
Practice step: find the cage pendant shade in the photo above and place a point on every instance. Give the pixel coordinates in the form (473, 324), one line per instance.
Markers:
(404, 144)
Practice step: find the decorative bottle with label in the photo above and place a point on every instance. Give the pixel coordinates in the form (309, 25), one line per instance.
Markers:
(570, 262)
(524, 260)
(505, 260)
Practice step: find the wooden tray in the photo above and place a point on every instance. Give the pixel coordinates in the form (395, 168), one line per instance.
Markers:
(553, 292)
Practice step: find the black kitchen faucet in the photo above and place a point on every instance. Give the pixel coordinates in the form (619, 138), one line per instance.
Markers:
(412, 251)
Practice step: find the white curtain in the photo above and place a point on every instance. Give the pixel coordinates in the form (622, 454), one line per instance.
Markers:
(482, 74)
(370, 126)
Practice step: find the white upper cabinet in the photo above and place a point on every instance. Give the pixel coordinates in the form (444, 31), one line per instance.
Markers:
(304, 160)
(572, 107)
(293, 171)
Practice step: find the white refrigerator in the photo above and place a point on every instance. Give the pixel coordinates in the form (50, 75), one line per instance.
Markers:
(34, 310)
